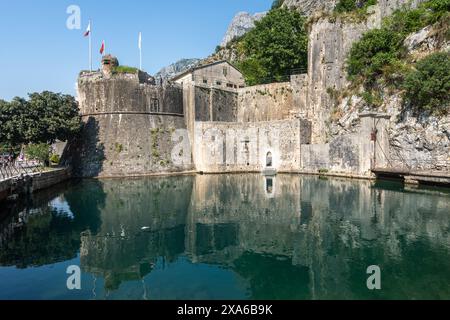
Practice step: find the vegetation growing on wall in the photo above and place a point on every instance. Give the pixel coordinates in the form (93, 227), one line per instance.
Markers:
(276, 45)
(359, 6)
(427, 86)
(125, 69)
(380, 59)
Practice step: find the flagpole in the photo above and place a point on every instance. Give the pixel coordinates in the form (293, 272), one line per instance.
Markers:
(90, 46)
(140, 50)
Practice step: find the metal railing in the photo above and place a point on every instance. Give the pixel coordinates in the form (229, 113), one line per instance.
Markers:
(10, 170)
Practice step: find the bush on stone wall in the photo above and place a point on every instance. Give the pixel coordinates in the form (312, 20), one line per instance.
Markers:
(371, 57)
(380, 58)
(353, 5)
(427, 87)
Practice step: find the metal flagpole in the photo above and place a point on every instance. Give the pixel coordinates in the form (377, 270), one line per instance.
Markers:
(90, 45)
(140, 50)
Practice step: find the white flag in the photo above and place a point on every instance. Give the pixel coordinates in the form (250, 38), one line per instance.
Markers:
(140, 40)
(88, 30)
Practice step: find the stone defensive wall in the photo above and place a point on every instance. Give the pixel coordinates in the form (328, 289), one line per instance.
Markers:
(221, 147)
(212, 104)
(266, 102)
(354, 154)
(131, 126)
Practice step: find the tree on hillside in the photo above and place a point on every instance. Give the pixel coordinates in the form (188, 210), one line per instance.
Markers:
(277, 44)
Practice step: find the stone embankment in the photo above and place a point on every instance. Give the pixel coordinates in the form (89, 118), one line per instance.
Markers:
(28, 184)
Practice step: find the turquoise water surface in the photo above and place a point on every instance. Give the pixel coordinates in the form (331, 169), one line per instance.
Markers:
(227, 237)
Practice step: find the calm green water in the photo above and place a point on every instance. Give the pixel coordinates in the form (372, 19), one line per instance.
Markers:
(227, 237)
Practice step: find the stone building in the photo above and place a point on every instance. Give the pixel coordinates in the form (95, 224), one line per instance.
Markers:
(221, 74)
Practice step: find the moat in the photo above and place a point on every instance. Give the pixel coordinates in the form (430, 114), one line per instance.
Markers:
(227, 237)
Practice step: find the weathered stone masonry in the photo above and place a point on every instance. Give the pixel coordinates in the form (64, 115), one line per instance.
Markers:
(129, 125)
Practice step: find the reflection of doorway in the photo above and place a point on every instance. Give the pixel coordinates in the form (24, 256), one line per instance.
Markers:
(269, 160)
(270, 187)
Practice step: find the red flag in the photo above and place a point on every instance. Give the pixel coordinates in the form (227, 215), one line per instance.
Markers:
(102, 49)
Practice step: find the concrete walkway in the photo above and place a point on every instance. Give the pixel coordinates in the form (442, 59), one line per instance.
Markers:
(415, 176)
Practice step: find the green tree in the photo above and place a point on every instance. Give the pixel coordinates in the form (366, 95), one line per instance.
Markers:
(427, 87)
(277, 44)
(43, 118)
(39, 152)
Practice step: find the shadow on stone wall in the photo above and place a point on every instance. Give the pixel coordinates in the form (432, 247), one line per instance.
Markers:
(85, 154)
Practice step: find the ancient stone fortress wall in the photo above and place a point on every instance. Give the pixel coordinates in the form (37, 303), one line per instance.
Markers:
(130, 126)
(250, 147)
(266, 102)
(212, 104)
(352, 154)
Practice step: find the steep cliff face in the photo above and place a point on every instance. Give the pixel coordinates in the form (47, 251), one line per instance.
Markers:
(416, 140)
(240, 25)
(330, 41)
(178, 67)
(309, 7)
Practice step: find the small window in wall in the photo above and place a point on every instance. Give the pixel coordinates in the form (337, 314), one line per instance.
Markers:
(219, 83)
(230, 85)
(225, 71)
(154, 105)
(205, 81)
(241, 86)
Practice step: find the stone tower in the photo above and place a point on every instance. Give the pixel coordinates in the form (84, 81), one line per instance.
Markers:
(109, 63)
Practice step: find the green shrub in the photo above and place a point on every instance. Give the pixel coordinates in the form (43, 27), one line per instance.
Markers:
(55, 159)
(125, 69)
(427, 87)
(353, 5)
(379, 58)
(39, 152)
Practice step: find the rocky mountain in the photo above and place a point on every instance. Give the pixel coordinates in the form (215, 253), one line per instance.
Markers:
(240, 25)
(176, 68)
(309, 7)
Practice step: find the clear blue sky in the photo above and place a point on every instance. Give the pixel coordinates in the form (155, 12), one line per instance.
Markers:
(39, 53)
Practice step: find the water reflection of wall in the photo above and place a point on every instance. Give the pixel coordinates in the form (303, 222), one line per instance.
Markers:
(142, 220)
(356, 224)
(320, 234)
(312, 238)
(239, 203)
